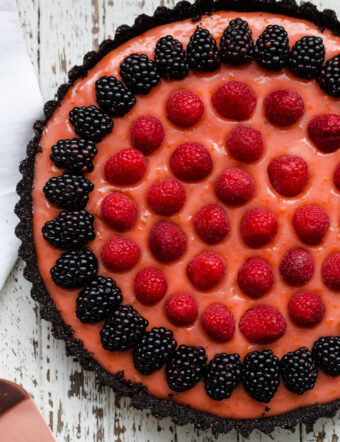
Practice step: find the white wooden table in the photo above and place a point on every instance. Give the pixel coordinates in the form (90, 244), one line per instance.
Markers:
(58, 33)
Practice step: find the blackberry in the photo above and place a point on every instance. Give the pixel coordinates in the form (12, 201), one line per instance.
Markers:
(139, 73)
(326, 354)
(153, 350)
(223, 374)
(112, 96)
(70, 230)
(186, 367)
(170, 58)
(75, 268)
(237, 45)
(91, 122)
(68, 191)
(74, 155)
(122, 329)
(298, 370)
(202, 51)
(261, 375)
(329, 77)
(306, 57)
(272, 48)
(98, 299)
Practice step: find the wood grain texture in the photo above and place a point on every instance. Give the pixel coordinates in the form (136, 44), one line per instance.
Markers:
(58, 33)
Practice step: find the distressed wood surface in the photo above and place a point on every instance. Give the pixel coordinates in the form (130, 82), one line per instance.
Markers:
(58, 33)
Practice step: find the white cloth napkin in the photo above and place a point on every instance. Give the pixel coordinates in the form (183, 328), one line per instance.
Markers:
(20, 105)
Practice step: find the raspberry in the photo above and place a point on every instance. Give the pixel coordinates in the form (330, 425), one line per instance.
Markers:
(336, 177)
(331, 271)
(297, 267)
(125, 167)
(166, 197)
(311, 224)
(167, 241)
(284, 107)
(255, 277)
(258, 227)
(245, 143)
(218, 322)
(211, 224)
(206, 270)
(150, 286)
(119, 211)
(184, 108)
(181, 309)
(324, 131)
(191, 162)
(263, 324)
(288, 175)
(120, 254)
(306, 309)
(146, 134)
(235, 100)
(234, 187)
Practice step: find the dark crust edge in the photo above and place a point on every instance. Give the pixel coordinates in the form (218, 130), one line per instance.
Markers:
(140, 398)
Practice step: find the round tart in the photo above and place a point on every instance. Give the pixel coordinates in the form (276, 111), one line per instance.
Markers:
(179, 214)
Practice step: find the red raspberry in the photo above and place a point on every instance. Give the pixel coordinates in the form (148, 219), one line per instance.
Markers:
(311, 224)
(206, 270)
(235, 100)
(263, 324)
(125, 167)
(184, 108)
(181, 309)
(288, 175)
(245, 143)
(306, 309)
(324, 131)
(150, 286)
(258, 227)
(218, 322)
(234, 187)
(166, 197)
(167, 241)
(284, 107)
(255, 277)
(120, 254)
(119, 211)
(211, 224)
(336, 177)
(146, 134)
(191, 162)
(297, 267)
(331, 271)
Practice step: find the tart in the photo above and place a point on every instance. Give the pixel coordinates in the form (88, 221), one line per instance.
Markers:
(179, 214)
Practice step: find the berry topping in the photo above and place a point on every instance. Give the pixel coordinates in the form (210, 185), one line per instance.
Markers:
(263, 324)
(306, 309)
(255, 277)
(331, 271)
(258, 227)
(326, 354)
(211, 224)
(167, 241)
(181, 309)
(150, 286)
(234, 187)
(329, 77)
(307, 56)
(298, 370)
(139, 73)
(222, 375)
(119, 254)
(202, 51)
(206, 270)
(96, 301)
(336, 177)
(125, 167)
(311, 224)
(297, 267)
(236, 43)
(75, 268)
(170, 58)
(147, 134)
(112, 96)
(218, 322)
(235, 100)
(324, 131)
(119, 211)
(184, 108)
(75, 155)
(272, 48)
(166, 197)
(288, 175)
(245, 143)
(284, 107)
(91, 122)
(191, 162)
